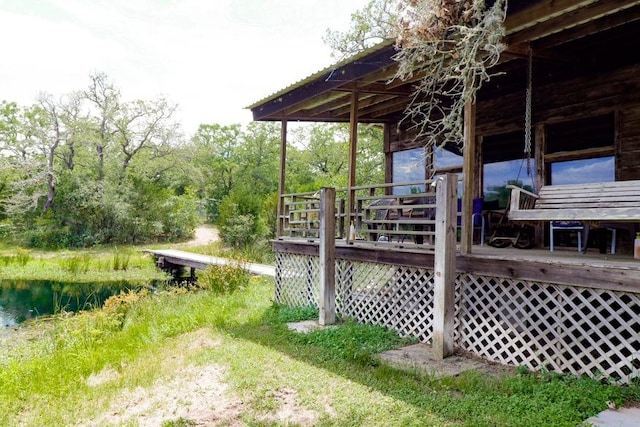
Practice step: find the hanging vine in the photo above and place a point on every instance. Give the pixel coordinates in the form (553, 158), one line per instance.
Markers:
(449, 45)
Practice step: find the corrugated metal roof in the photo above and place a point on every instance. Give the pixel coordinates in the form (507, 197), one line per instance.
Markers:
(322, 72)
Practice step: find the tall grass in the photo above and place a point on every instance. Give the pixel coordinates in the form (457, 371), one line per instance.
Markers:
(23, 256)
(76, 264)
(99, 266)
(120, 259)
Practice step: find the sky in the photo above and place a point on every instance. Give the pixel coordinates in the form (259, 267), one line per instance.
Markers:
(211, 57)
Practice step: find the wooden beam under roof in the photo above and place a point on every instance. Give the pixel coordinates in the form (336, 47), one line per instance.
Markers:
(540, 12)
(570, 18)
(610, 21)
(374, 89)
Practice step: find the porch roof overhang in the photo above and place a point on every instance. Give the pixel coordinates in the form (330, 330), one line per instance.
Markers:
(560, 34)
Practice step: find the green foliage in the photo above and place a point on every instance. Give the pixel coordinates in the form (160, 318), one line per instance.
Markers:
(239, 221)
(113, 164)
(224, 279)
(76, 264)
(372, 24)
(180, 422)
(352, 340)
(318, 157)
(120, 259)
(282, 314)
(23, 256)
(85, 267)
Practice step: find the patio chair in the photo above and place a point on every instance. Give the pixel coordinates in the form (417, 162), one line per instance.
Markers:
(477, 217)
(566, 225)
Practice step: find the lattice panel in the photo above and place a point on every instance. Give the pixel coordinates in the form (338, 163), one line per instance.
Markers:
(400, 298)
(545, 326)
(297, 280)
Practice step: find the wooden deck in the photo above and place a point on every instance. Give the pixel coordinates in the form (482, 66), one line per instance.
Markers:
(167, 258)
(563, 266)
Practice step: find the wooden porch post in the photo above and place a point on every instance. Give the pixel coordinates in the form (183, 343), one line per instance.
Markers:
(353, 148)
(469, 158)
(444, 267)
(540, 148)
(327, 303)
(283, 167)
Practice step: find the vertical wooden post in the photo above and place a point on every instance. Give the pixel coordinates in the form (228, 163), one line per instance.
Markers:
(353, 149)
(444, 268)
(327, 303)
(388, 158)
(539, 149)
(283, 167)
(469, 157)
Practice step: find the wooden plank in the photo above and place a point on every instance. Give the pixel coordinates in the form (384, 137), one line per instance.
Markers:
(202, 262)
(603, 206)
(444, 267)
(327, 303)
(578, 214)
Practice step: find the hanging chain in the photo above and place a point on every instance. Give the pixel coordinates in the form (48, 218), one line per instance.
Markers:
(527, 113)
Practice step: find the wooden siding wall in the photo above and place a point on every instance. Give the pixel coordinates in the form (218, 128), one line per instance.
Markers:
(628, 164)
(615, 91)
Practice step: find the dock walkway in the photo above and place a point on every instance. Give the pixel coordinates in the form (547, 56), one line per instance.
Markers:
(167, 258)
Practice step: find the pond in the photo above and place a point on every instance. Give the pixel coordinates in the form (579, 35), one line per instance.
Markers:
(25, 299)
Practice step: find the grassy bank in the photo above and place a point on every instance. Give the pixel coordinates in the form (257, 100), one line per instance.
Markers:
(179, 358)
(109, 264)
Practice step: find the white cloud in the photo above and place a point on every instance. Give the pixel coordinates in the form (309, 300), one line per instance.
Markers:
(211, 57)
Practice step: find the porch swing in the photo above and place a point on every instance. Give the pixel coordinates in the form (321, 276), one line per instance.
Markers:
(505, 232)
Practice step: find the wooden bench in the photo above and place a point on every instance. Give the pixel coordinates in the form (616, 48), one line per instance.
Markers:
(617, 201)
(579, 205)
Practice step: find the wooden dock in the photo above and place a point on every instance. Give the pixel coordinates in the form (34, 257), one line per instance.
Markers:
(171, 259)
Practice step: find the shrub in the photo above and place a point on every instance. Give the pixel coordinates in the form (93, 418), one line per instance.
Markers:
(239, 219)
(224, 279)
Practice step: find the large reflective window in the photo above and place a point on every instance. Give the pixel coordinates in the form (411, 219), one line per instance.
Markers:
(505, 163)
(447, 158)
(500, 174)
(408, 166)
(584, 171)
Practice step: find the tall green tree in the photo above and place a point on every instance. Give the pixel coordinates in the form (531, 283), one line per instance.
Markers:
(215, 153)
(91, 168)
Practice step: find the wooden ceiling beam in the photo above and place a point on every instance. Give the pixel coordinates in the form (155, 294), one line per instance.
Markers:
(375, 89)
(393, 106)
(610, 21)
(541, 11)
(316, 101)
(367, 104)
(569, 19)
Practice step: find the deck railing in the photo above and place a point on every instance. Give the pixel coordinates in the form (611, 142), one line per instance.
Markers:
(300, 215)
(402, 213)
(395, 212)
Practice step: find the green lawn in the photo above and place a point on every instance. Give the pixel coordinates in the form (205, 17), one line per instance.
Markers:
(189, 357)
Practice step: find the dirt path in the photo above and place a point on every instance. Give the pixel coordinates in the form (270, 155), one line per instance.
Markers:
(204, 235)
(196, 394)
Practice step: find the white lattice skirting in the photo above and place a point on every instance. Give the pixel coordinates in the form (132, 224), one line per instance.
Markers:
(542, 326)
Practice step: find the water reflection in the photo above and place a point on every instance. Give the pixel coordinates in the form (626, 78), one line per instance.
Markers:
(24, 299)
